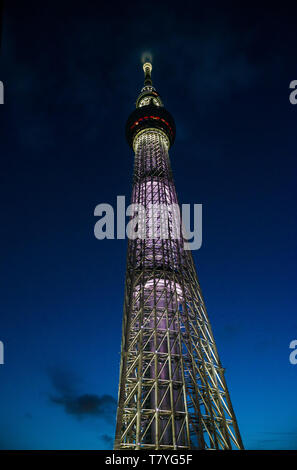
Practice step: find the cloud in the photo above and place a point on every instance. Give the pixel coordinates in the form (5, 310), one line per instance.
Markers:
(63, 380)
(107, 439)
(205, 60)
(87, 405)
(78, 404)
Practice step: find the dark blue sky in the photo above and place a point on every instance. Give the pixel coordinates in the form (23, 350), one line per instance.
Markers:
(71, 73)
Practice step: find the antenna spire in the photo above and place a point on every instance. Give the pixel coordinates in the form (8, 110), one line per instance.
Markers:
(147, 68)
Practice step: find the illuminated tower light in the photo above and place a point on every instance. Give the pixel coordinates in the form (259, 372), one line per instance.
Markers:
(172, 365)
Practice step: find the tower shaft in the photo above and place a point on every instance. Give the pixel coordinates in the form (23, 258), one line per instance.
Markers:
(172, 390)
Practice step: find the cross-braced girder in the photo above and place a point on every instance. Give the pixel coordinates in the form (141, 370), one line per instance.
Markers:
(172, 391)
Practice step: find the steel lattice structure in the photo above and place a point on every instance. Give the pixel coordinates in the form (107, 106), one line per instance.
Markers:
(172, 391)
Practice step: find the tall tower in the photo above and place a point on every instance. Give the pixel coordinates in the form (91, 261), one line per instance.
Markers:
(172, 390)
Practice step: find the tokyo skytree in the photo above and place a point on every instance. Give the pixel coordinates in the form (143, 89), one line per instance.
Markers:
(172, 390)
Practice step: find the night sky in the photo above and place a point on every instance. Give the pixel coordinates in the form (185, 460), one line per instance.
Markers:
(71, 74)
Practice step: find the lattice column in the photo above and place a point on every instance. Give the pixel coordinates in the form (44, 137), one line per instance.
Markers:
(172, 392)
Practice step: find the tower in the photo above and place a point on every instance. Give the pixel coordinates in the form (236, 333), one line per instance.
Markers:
(172, 390)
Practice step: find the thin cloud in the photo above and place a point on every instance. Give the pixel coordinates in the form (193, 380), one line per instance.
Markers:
(87, 405)
(78, 404)
(108, 440)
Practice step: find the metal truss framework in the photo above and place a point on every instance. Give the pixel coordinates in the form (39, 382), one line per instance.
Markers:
(172, 391)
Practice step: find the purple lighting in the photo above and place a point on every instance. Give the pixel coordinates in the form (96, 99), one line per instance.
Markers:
(172, 391)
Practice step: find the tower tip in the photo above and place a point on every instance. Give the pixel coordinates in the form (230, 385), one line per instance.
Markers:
(147, 67)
